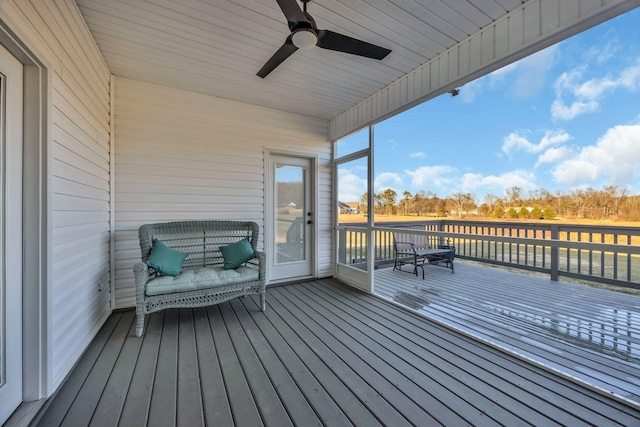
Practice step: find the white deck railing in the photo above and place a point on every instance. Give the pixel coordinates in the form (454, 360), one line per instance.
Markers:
(605, 254)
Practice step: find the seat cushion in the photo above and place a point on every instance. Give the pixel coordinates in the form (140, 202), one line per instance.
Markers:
(193, 279)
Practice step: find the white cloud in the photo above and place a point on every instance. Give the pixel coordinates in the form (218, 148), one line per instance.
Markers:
(472, 182)
(523, 78)
(514, 141)
(528, 75)
(418, 155)
(554, 155)
(563, 112)
(351, 187)
(469, 91)
(585, 95)
(616, 156)
(601, 54)
(532, 71)
(430, 176)
(387, 180)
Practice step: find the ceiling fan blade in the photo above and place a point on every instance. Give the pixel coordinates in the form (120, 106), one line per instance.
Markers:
(330, 40)
(292, 12)
(285, 51)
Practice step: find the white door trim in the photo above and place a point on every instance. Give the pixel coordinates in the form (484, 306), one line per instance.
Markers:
(37, 236)
(269, 232)
(11, 284)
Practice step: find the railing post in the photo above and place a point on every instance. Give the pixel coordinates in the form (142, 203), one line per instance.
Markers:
(555, 254)
(342, 246)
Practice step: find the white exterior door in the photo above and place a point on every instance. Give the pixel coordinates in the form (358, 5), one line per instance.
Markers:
(291, 254)
(10, 234)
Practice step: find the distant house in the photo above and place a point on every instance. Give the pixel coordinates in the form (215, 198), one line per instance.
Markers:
(348, 208)
(355, 207)
(456, 212)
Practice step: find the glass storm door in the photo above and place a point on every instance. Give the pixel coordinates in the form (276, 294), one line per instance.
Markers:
(293, 219)
(10, 234)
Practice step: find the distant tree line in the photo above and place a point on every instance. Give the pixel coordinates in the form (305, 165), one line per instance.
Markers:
(611, 202)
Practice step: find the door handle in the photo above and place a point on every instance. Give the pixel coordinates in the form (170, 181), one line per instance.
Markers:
(309, 222)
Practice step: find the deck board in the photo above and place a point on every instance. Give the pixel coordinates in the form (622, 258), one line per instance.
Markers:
(322, 354)
(267, 399)
(353, 360)
(189, 405)
(58, 406)
(309, 374)
(114, 394)
(553, 323)
(508, 374)
(241, 400)
(214, 395)
(136, 405)
(452, 390)
(292, 397)
(163, 408)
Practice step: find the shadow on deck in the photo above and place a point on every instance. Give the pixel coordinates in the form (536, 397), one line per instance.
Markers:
(322, 354)
(584, 333)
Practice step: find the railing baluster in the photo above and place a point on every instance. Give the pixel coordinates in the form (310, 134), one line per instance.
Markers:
(590, 255)
(615, 258)
(602, 270)
(579, 253)
(555, 254)
(568, 252)
(628, 259)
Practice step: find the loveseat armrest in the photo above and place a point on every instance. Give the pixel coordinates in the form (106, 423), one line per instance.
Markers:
(141, 274)
(262, 264)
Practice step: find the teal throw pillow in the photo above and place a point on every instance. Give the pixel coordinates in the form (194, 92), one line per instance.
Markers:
(165, 260)
(236, 254)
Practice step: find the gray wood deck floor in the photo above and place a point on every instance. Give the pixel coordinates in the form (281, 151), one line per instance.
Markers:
(587, 333)
(322, 354)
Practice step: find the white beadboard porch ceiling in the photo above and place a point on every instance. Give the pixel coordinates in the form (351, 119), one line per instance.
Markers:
(216, 47)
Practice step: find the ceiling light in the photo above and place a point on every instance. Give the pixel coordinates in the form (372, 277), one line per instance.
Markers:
(304, 39)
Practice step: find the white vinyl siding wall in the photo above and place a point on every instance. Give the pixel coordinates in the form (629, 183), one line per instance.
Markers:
(78, 173)
(180, 155)
(533, 26)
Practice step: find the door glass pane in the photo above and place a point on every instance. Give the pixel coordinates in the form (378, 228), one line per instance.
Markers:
(290, 213)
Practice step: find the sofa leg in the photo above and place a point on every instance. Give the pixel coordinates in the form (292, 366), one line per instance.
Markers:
(263, 301)
(139, 324)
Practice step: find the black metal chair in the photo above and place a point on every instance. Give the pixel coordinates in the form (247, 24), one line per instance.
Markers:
(417, 249)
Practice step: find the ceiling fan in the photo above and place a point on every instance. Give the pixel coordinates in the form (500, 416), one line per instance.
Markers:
(305, 35)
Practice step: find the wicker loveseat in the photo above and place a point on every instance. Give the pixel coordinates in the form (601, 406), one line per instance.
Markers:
(204, 276)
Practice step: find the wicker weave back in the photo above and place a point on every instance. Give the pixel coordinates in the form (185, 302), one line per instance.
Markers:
(200, 239)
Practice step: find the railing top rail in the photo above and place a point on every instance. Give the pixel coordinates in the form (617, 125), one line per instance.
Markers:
(606, 228)
(603, 247)
(353, 226)
(583, 228)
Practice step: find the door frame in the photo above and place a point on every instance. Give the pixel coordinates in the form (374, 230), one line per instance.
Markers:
(269, 232)
(11, 97)
(36, 212)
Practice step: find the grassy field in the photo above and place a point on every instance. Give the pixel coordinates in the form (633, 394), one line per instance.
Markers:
(350, 218)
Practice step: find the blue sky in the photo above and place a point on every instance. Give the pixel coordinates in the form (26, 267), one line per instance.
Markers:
(565, 118)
